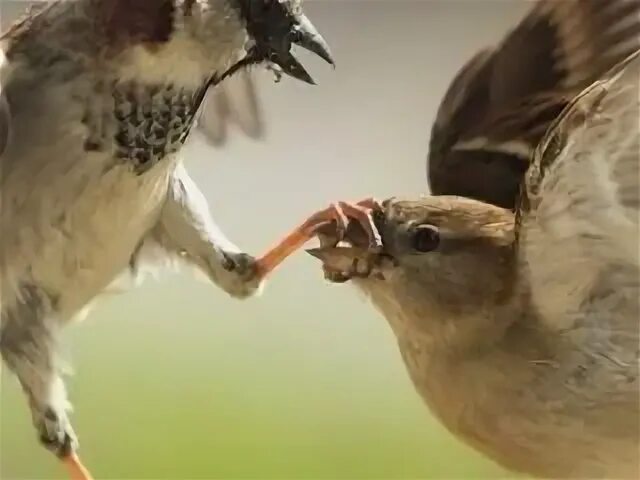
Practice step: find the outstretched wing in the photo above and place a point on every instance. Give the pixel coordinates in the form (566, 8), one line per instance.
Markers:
(579, 217)
(503, 100)
(232, 102)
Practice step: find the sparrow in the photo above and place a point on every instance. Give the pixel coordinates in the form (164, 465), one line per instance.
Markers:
(234, 102)
(520, 330)
(503, 100)
(97, 98)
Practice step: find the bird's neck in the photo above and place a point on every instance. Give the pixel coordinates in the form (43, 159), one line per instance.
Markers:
(205, 39)
(152, 42)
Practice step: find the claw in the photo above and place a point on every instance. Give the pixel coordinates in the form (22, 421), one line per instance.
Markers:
(301, 235)
(363, 213)
(331, 224)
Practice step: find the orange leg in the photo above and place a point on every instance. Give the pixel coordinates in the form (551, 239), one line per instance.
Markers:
(340, 213)
(362, 212)
(77, 471)
(298, 237)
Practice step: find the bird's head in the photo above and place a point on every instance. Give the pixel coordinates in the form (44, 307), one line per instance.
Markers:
(273, 28)
(221, 36)
(445, 262)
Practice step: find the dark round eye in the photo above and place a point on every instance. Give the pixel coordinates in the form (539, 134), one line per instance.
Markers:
(425, 238)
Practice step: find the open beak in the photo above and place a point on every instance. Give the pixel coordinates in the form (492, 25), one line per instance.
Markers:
(341, 259)
(341, 263)
(304, 34)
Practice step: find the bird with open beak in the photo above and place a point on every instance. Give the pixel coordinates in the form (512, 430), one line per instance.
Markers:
(521, 331)
(97, 98)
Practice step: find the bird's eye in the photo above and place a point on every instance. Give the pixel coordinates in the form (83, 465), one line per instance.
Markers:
(425, 238)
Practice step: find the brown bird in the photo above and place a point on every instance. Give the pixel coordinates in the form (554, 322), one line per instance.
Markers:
(521, 331)
(503, 100)
(97, 98)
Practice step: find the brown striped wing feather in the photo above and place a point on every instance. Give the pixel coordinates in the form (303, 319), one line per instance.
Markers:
(502, 102)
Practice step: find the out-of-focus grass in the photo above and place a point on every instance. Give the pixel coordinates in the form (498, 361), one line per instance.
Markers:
(174, 394)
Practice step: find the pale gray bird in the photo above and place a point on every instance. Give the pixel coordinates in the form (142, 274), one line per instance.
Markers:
(96, 100)
(501, 103)
(521, 331)
(233, 105)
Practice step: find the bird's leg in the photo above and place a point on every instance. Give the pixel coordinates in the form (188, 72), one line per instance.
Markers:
(340, 213)
(186, 228)
(28, 346)
(77, 471)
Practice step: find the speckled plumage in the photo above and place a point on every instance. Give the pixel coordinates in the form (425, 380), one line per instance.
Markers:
(152, 122)
(97, 98)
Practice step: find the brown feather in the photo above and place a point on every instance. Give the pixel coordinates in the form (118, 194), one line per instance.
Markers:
(136, 20)
(23, 26)
(510, 95)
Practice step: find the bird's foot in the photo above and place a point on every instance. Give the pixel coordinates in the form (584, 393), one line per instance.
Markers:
(55, 431)
(362, 256)
(240, 277)
(57, 435)
(332, 224)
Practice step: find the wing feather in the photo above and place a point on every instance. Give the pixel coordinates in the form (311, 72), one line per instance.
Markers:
(579, 217)
(507, 96)
(5, 116)
(233, 102)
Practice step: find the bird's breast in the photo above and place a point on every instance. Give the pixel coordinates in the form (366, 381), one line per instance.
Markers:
(149, 123)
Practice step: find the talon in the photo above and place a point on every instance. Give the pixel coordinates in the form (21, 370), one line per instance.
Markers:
(339, 214)
(362, 212)
(370, 203)
(301, 235)
(341, 220)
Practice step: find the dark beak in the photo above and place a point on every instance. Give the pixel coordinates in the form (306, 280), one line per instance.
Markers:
(341, 264)
(304, 34)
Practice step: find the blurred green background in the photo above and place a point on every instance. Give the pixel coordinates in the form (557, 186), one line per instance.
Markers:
(185, 388)
(175, 380)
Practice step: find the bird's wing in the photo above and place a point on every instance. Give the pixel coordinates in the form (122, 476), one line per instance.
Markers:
(578, 222)
(5, 117)
(232, 102)
(503, 100)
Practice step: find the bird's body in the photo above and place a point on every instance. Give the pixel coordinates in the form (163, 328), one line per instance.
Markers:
(114, 125)
(521, 331)
(97, 99)
(545, 403)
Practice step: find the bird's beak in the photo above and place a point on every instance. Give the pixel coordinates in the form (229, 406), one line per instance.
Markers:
(343, 263)
(339, 258)
(304, 34)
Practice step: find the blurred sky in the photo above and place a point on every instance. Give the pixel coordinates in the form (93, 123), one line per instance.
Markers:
(175, 380)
